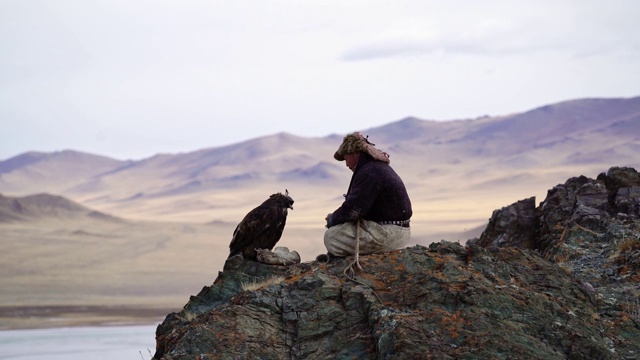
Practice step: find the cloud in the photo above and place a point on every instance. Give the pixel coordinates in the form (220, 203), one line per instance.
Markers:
(497, 29)
(445, 45)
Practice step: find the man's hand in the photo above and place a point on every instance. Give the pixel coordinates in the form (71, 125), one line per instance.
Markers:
(328, 220)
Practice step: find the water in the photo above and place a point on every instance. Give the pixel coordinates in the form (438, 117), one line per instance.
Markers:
(108, 343)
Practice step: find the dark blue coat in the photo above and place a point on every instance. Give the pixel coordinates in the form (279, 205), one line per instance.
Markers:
(375, 193)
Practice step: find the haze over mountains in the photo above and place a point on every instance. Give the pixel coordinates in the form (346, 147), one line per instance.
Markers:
(434, 158)
(456, 172)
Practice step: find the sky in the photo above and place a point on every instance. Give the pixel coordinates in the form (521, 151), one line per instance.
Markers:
(129, 79)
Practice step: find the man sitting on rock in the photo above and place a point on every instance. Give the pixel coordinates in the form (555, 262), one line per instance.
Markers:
(374, 216)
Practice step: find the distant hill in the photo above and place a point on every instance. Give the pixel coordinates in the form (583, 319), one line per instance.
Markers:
(581, 123)
(45, 206)
(36, 172)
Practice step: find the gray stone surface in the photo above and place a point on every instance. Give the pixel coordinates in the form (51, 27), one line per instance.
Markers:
(575, 296)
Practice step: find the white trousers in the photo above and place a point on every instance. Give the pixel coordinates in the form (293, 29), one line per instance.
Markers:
(340, 240)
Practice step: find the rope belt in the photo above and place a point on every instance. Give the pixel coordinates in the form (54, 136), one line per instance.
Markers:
(403, 223)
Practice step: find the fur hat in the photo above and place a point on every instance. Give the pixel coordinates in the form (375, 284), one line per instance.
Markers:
(355, 142)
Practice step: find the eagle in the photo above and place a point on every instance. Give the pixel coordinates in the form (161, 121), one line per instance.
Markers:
(262, 227)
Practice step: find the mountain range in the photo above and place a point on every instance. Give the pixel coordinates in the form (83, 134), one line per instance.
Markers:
(456, 172)
(473, 159)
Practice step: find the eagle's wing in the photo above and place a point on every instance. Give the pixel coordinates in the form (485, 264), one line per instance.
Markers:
(261, 228)
(272, 233)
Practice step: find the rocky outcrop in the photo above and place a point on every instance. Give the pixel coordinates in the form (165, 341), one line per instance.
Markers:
(512, 226)
(580, 201)
(605, 204)
(572, 297)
